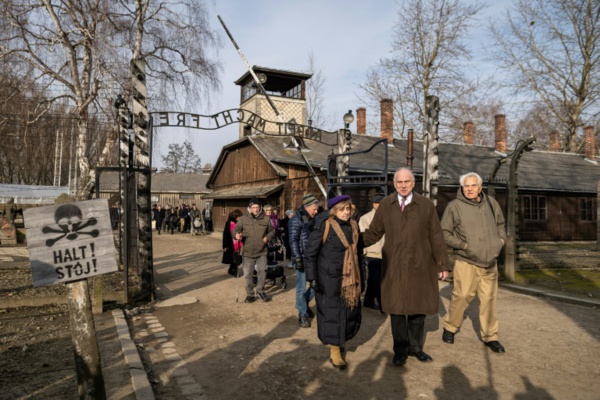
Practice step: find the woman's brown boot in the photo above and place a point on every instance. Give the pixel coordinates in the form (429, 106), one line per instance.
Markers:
(336, 357)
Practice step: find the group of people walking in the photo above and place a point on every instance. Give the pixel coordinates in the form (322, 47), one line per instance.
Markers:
(182, 218)
(272, 251)
(405, 248)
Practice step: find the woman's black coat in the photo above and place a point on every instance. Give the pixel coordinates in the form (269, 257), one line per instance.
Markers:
(228, 244)
(159, 216)
(285, 236)
(324, 262)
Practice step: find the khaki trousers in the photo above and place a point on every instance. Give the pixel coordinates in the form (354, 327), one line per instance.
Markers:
(468, 281)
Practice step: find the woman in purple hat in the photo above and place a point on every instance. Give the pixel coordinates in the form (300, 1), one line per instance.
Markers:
(332, 262)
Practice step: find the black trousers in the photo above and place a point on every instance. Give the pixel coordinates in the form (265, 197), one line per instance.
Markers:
(373, 291)
(408, 332)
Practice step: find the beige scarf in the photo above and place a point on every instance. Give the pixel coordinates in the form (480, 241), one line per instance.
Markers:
(351, 272)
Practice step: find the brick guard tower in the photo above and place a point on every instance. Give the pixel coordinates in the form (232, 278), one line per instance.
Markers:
(286, 89)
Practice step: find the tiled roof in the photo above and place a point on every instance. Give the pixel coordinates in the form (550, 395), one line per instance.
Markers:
(258, 69)
(30, 194)
(241, 143)
(538, 170)
(244, 192)
(165, 182)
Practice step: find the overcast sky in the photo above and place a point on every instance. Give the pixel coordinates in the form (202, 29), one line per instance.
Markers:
(345, 36)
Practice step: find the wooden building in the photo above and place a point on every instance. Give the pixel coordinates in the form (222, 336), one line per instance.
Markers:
(177, 189)
(250, 167)
(167, 188)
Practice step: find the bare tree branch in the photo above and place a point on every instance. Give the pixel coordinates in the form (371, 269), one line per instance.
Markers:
(551, 49)
(428, 57)
(315, 96)
(81, 50)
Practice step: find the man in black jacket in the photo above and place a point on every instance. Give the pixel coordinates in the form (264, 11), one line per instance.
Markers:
(159, 216)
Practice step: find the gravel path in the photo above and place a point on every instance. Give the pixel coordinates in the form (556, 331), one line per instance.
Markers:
(257, 351)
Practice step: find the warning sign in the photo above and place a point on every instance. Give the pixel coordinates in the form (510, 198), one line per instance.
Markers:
(69, 242)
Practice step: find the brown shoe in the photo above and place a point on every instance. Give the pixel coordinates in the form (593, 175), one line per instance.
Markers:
(335, 357)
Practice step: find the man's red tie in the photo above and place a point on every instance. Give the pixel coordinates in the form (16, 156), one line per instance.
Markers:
(403, 203)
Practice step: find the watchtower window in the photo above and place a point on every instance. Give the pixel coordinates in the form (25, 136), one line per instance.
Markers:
(250, 89)
(294, 93)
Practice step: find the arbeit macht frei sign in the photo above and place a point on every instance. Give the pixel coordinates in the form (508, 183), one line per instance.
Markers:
(239, 115)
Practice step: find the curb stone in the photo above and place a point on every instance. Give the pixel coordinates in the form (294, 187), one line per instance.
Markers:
(177, 368)
(549, 295)
(139, 378)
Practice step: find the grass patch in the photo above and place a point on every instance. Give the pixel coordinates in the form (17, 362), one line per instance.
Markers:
(580, 283)
(557, 246)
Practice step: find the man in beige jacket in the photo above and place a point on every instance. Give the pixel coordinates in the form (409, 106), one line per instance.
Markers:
(473, 226)
(373, 256)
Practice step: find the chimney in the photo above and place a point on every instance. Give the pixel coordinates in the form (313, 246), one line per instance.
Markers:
(410, 148)
(361, 121)
(554, 142)
(387, 119)
(468, 133)
(590, 142)
(500, 131)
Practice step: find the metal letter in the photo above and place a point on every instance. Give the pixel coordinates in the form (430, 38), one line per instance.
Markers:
(195, 118)
(227, 117)
(181, 119)
(163, 117)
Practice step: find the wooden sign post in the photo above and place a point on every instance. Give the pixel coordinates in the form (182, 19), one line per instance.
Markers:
(69, 243)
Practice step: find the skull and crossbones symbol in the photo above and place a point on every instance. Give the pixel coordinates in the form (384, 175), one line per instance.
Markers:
(70, 223)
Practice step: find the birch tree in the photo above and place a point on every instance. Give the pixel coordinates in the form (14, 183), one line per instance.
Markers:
(550, 51)
(177, 43)
(58, 39)
(80, 49)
